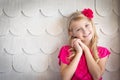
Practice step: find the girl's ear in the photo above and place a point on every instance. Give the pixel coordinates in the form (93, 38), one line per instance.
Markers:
(70, 33)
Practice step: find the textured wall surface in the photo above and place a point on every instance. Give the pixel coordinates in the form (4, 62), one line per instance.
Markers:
(32, 32)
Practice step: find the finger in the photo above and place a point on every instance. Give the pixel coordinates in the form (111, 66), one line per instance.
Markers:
(82, 44)
(73, 42)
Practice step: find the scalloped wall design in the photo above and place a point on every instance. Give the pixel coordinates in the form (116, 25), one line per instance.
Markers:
(32, 32)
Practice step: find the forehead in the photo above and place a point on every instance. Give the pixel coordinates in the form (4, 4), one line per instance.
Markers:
(80, 23)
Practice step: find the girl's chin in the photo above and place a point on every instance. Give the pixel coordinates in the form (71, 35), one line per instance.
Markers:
(87, 38)
(87, 41)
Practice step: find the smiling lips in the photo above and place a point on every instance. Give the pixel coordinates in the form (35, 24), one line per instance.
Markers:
(87, 35)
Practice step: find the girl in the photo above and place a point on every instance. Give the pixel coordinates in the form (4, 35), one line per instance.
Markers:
(82, 59)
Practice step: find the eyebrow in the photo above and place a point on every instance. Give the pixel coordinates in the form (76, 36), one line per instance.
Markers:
(80, 26)
(76, 27)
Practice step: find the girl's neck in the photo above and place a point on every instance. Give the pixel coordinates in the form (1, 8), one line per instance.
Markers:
(88, 44)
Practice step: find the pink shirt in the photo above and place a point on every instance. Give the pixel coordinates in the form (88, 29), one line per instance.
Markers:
(82, 72)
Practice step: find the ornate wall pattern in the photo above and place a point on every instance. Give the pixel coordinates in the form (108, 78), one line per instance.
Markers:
(32, 32)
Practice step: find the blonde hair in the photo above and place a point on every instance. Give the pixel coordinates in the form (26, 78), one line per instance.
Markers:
(93, 45)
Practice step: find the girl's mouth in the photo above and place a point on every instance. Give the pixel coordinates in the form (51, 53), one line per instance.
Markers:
(87, 35)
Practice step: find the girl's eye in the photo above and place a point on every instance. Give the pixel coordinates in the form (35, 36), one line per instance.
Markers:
(86, 25)
(79, 29)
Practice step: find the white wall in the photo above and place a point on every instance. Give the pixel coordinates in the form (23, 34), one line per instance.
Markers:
(32, 32)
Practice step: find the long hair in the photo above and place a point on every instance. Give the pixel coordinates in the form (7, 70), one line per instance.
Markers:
(93, 45)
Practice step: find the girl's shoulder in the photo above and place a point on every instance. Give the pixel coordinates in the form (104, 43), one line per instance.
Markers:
(66, 47)
(102, 47)
(63, 54)
(64, 50)
(103, 51)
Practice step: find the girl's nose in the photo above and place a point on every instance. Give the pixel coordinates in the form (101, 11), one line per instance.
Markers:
(84, 30)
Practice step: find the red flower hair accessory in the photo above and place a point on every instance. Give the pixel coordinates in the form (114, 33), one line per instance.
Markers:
(88, 13)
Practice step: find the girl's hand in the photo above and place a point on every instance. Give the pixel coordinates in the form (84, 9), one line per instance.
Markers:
(80, 44)
(75, 43)
(84, 46)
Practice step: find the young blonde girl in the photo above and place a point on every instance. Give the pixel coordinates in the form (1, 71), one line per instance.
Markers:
(82, 59)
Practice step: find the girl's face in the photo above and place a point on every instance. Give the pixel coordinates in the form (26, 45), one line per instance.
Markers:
(82, 29)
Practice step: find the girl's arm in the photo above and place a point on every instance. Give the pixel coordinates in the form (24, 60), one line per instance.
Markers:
(67, 71)
(96, 69)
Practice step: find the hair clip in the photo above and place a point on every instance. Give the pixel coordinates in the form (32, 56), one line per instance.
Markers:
(88, 13)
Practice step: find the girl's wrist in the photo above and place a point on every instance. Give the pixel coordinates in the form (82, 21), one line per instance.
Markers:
(86, 49)
(79, 53)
